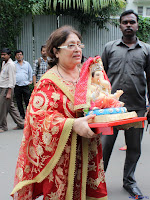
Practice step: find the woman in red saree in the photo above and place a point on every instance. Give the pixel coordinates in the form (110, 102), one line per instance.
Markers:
(60, 156)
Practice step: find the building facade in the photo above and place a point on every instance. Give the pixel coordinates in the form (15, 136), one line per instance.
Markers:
(142, 7)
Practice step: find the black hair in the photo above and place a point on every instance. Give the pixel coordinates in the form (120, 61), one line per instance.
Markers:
(18, 51)
(6, 50)
(128, 12)
(43, 46)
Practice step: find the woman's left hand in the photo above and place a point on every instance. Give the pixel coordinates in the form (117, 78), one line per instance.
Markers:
(82, 128)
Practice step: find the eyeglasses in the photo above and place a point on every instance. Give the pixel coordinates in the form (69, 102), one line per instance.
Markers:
(72, 46)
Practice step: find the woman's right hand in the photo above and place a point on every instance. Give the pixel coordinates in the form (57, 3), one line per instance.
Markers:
(82, 128)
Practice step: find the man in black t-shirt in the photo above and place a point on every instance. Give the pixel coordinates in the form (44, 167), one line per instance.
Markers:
(126, 61)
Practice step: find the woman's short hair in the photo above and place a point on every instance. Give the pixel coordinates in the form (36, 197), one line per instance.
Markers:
(58, 37)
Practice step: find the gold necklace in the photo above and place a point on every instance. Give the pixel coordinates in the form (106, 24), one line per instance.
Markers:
(73, 82)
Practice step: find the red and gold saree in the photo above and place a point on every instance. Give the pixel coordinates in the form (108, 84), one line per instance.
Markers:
(53, 160)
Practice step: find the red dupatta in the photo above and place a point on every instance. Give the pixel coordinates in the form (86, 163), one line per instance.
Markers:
(52, 161)
(82, 93)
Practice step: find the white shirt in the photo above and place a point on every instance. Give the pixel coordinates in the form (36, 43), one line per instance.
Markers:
(23, 73)
(8, 74)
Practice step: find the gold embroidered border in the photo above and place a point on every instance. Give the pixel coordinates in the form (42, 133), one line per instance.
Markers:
(91, 198)
(50, 75)
(69, 194)
(85, 167)
(49, 167)
(65, 108)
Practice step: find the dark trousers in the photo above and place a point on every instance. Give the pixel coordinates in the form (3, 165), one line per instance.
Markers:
(22, 93)
(133, 138)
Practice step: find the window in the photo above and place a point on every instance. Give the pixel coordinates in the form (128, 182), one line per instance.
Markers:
(148, 11)
(140, 10)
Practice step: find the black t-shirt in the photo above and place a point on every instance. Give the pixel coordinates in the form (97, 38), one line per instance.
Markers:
(126, 68)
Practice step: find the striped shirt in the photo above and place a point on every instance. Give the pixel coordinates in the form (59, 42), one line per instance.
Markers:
(38, 72)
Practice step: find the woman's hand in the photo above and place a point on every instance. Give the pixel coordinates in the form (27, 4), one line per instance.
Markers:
(82, 128)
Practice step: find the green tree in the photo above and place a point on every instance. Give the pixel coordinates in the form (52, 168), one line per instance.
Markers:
(85, 11)
(143, 32)
(144, 29)
(11, 13)
(85, 5)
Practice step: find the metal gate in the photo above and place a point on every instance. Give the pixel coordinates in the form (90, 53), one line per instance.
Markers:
(36, 30)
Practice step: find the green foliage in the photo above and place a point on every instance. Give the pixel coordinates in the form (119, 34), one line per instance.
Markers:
(85, 11)
(85, 5)
(75, 8)
(143, 32)
(11, 13)
(144, 29)
(100, 17)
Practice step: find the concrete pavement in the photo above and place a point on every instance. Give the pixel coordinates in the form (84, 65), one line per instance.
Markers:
(9, 148)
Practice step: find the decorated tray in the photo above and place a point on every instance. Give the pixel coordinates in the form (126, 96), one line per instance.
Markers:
(106, 128)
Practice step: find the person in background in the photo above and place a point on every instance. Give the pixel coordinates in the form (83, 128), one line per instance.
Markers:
(7, 84)
(124, 148)
(40, 66)
(126, 60)
(23, 80)
(14, 113)
(60, 156)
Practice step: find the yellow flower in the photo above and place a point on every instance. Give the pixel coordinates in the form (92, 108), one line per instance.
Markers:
(40, 100)
(67, 149)
(20, 173)
(39, 150)
(48, 148)
(55, 130)
(46, 138)
(32, 152)
(55, 96)
(50, 177)
(59, 171)
(27, 169)
(31, 120)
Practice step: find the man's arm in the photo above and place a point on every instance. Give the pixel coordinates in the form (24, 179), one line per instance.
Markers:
(34, 80)
(148, 86)
(12, 75)
(147, 70)
(105, 59)
(35, 65)
(12, 80)
(30, 73)
(148, 96)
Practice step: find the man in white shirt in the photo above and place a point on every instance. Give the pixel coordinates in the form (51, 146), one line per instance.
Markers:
(7, 84)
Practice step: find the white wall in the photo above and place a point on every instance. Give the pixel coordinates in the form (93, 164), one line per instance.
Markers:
(133, 4)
